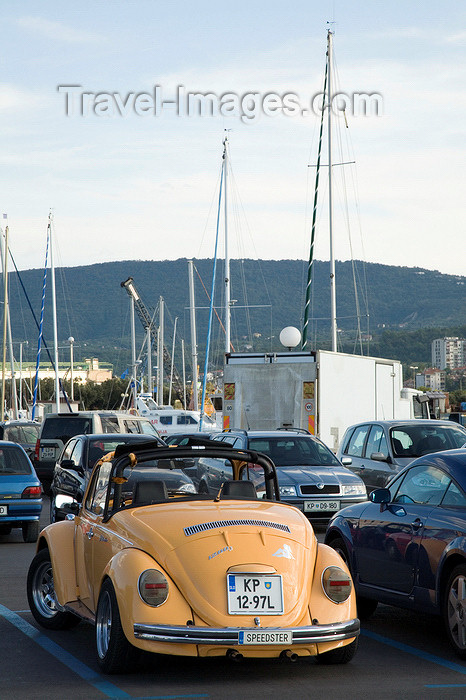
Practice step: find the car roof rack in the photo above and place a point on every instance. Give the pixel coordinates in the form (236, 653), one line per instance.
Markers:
(241, 431)
(295, 430)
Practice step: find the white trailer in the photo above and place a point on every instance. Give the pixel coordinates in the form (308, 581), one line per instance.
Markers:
(322, 391)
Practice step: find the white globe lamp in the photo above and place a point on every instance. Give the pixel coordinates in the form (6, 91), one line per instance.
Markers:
(290, 337)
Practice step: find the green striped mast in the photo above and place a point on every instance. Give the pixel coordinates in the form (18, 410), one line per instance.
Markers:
(314, 218)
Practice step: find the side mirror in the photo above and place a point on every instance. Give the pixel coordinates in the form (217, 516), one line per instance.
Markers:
(346, 461)
(71, 507)
(380, 496)
(379, 457)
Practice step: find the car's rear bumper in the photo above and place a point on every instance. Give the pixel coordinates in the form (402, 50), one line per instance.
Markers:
(230, 636)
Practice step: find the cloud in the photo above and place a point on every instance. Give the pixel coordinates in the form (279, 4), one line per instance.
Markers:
(57, 31)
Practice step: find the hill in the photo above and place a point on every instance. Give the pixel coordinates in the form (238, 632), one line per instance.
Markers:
(94, 309)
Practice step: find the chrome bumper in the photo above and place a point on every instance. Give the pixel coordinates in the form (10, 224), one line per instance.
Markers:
(229, 636)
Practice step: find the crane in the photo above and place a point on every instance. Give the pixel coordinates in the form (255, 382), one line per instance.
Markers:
(148, 324)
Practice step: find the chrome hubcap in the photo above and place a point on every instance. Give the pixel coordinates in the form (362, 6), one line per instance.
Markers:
(104, 624)
(457, 611)
(43, 591)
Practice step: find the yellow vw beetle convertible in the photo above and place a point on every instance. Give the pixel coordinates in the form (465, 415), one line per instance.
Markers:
(159, 569)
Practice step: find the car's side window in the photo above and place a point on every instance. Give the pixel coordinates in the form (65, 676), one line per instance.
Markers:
(77, 453)
(131, 426)
(454, 497)
(68, 450)
(109, 423)
(166, 420)
(376, 442)
(423, 484)
(95, 501)
(355, 444)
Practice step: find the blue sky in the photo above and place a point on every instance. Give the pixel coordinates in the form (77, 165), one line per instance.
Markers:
(142, 187)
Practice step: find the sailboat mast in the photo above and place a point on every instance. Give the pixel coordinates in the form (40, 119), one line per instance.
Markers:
(54, 318)
(192, 308)
(333, 296)
(227, 255)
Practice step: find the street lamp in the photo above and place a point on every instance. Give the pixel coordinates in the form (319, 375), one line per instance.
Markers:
(414, 368)
(71, 341)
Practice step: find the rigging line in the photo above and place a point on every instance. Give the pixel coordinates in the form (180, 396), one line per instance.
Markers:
(209, 212)
(215, 310)
(44, 343)
(39, 342)
(314, 216)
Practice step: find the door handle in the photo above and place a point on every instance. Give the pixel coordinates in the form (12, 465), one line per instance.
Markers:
(90, 534)
(416, 524)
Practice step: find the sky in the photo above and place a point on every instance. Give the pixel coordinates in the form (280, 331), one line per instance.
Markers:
(129, 180)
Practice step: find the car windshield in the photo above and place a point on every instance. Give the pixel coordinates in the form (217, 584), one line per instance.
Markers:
(417, 440)
(13, 461)
(98, 448)
(293, 451)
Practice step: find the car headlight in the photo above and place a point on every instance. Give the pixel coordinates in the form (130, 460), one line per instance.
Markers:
(336, 583)
(353, 489)
(187, 488)
(287, 490)
(153, 587)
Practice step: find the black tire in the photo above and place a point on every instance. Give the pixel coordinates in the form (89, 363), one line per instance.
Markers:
(5, 529)
(114, 653)
(53, 510)
(339, 546)
(454, 610)
(366, 607)
(31, 531)
(41, 595)
(342, 655)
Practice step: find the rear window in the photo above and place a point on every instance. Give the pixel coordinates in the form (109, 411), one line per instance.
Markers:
(13, 461)
(294, 451)
(63, 427)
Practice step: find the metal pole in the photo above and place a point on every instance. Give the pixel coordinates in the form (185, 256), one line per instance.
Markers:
(330, 202)
(227, 254)
(192, 308)
(160, 353)
(133, 354)
(150, 383)
(71, 341)
(184, 374)
(173, 362)
(54, 316)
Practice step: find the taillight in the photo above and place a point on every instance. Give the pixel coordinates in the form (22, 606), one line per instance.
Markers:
(32, 492)
(337, 584)
(36, 450)
(153, 587)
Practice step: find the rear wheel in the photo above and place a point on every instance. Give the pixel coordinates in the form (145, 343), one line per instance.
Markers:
(114, 653)
(31, 531)
(41, 595)
(342, 655)
(454, 610)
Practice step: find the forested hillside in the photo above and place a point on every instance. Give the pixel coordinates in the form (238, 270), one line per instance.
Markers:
(394, 303)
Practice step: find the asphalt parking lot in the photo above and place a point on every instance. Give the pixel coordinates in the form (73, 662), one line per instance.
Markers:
(401, 655)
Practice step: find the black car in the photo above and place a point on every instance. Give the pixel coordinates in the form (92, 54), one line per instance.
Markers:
(77, 460)
(310, 477)
(407, 545)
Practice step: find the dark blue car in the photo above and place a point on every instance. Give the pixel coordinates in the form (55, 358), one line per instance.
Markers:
(407, 545)
(20, 492)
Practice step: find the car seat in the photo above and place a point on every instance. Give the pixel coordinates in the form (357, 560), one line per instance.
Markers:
(239, 489)
(147, 492)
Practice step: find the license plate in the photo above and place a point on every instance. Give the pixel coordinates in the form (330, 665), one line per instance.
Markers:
(47, 452)
(310, 506)
(3, 510)
(255, 593)
(266, 636)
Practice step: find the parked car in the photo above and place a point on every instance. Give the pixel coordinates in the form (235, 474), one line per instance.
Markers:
(310, 477)
(377, 450)
(74, 466)
(20, 492)
(23, 432)
(407, 546)
(58, 428)
(188, 574)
